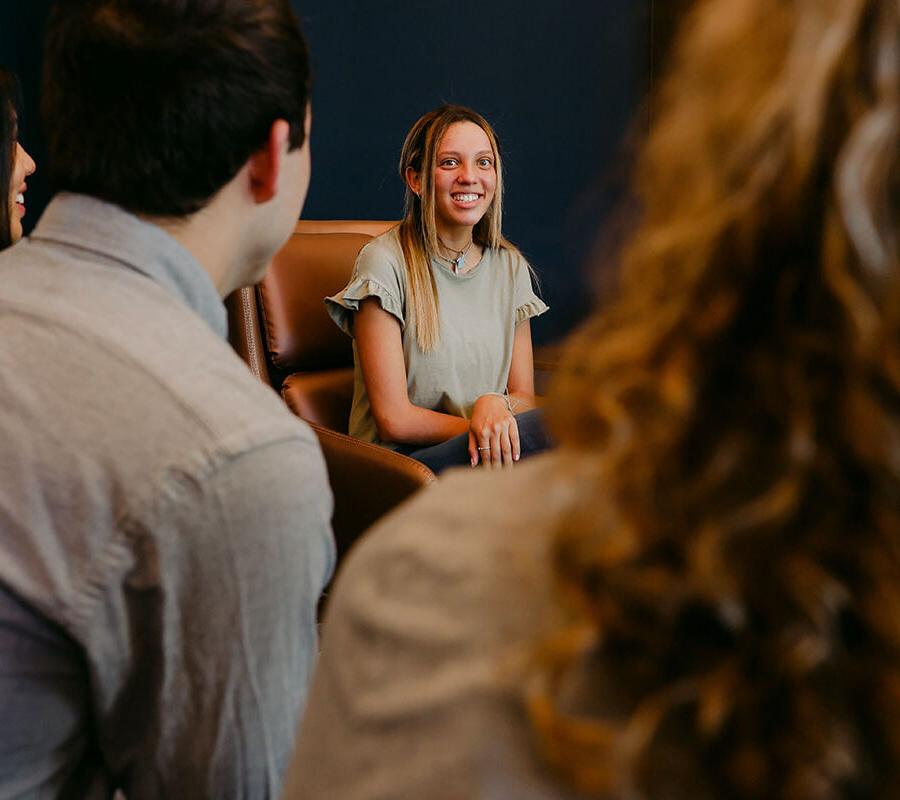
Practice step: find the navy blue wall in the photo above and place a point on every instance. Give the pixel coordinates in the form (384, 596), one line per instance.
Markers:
(559, 81)
(21, 45)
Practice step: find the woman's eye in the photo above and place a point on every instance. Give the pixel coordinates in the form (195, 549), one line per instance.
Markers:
(485, 162)
(449, 162)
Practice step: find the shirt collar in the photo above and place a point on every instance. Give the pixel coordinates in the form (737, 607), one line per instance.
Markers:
(110, 232)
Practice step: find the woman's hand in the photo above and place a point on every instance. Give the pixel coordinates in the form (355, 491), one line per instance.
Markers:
(493, 432)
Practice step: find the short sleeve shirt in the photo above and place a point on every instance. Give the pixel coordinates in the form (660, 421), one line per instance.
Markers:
(479, 311)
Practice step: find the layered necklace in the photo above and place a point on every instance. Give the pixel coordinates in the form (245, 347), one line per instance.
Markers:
(458, 262)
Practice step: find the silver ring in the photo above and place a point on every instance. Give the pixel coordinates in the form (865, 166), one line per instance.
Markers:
(485, 448)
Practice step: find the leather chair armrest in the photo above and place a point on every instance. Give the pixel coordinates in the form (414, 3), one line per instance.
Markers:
(321, 397)
(376, 479)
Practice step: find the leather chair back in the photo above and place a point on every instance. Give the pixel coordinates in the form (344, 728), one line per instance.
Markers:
(300, 336)
(281, 329)
(310, 360)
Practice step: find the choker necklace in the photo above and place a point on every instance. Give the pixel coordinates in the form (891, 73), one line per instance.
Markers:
(460, 260)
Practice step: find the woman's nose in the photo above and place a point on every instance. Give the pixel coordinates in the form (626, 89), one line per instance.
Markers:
(465, 174)
(30, 166)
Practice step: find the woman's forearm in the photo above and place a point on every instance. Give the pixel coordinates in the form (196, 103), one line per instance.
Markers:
(415, 425)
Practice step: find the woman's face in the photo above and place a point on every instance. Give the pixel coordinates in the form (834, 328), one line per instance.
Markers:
(23, 166)
(465, 177)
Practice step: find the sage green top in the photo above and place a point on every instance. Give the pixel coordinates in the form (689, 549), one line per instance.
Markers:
(479, 311)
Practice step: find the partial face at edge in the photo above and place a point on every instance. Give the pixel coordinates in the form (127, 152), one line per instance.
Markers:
(23, 166)
(465, 177)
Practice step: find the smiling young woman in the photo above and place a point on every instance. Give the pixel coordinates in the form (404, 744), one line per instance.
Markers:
(15, 165)
(440, 308)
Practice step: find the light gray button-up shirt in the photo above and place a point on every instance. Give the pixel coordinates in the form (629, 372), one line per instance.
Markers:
(164, 526)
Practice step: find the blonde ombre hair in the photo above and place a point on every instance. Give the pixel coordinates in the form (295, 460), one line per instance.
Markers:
(732, 560)
(418, 231)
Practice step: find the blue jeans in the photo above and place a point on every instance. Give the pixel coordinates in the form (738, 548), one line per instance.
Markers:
(454, 452)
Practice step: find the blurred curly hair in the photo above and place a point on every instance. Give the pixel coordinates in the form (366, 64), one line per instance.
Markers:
(734, 557)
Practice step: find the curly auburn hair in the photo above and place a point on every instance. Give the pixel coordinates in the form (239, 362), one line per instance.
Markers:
(735, 554)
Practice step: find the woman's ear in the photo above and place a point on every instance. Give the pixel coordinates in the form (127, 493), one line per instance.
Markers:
(413, 180)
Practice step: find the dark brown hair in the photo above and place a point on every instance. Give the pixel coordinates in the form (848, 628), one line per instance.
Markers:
(8, 135)
(155, 106)
(735, 554)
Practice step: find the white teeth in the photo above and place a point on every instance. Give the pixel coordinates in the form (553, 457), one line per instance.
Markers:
(20, 198)
(465, 198)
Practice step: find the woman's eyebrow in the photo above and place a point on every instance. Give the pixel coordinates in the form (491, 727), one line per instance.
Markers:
(455, 153)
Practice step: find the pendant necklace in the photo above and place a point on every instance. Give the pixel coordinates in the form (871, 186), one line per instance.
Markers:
(456, 263)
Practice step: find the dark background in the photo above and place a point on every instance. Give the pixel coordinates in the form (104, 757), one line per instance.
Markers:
(561, 82)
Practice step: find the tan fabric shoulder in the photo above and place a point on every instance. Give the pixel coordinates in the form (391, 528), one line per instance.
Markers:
(415, 693)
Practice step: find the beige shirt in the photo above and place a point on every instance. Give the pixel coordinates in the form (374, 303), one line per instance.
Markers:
(164, 526)
(479, 312)
(416, 692)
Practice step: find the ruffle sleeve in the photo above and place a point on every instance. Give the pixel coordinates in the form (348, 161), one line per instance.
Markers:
(342, 306)
(533, 308)
(528, 304)
(379, 272)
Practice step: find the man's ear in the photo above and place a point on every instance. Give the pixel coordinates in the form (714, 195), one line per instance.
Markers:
(264, 166)
(413, 180)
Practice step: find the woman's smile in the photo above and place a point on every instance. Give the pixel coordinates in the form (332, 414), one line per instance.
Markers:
(467, 199)
(23, 166)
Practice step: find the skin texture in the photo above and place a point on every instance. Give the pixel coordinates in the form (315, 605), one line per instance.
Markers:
(236, 234)
(465, 164)
(23, 166)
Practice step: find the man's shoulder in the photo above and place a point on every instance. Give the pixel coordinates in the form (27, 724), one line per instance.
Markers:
(121, 405)
(114, 371)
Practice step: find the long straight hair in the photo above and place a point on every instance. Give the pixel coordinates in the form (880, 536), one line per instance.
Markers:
(418, 230)
(9, 94)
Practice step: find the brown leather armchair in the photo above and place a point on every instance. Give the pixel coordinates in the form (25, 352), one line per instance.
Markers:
(281, 329)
